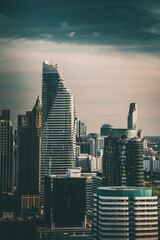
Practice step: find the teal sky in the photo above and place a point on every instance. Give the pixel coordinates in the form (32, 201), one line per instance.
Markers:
(107, 51)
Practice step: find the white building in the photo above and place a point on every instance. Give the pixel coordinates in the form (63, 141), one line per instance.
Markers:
(127, 213)
(58, 147)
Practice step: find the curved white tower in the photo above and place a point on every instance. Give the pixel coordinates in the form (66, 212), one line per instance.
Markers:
(58, 133)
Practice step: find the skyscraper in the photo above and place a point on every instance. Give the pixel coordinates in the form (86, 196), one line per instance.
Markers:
(123, 160)
(29, 149)
(58, 135)
(132, 116)
(6, 152)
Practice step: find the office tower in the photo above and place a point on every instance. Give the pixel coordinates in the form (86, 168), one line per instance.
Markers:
(81, 129)
(106, 129)
(22, 120)
(125, 213)
(58, 135)
(6, 153)
(29, 150)
(92, 147)
(132, 116)
(123, 161)
(96, 144)
(64, 201)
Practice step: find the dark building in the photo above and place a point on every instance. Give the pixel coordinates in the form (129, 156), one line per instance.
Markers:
(6, 152)
(132, 116)
(84, 145)
(5, 115)
(123, 162)
(106, 129)
(65, 201)
(28, 150)
(16, 229)
(9, 203)
(22, 120)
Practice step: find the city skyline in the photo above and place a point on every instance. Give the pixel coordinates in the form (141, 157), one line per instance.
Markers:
(108, 53)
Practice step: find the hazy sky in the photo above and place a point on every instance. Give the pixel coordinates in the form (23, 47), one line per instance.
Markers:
(107, 51)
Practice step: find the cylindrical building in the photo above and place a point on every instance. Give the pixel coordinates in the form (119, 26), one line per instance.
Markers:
(106, 129)
(123, 162)
(128, 213)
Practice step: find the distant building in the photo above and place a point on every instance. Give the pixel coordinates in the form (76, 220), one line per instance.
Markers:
(125, 213)
(73, 172)
(106, 129)
(81, 129)
(140, 133)
(83, 162)
(29, 150)
(6, 153)
(132, 116)
(84, 146)
(22, 120)
(65, 201)
(96, 144)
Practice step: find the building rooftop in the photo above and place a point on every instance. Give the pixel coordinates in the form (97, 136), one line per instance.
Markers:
(48, 67)
(121, 188)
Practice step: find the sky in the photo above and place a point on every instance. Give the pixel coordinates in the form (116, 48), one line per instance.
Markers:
(107, 51)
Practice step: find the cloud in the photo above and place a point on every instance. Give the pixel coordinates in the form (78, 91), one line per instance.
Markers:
(46, 36)
(95, 34)
(71, 34)
(155, 29)
(64, 26)
(103, 79)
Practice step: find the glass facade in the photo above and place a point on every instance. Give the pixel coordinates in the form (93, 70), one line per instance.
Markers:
(125, 158)
(58, 148)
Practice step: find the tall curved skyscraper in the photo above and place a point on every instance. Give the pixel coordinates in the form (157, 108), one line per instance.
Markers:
(58, 133)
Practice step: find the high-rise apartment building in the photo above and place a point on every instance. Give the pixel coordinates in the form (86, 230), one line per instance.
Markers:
(123, 161)
(6, 153)
(127, 213)
(132, 116)
(58, 135)
(29, 150)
